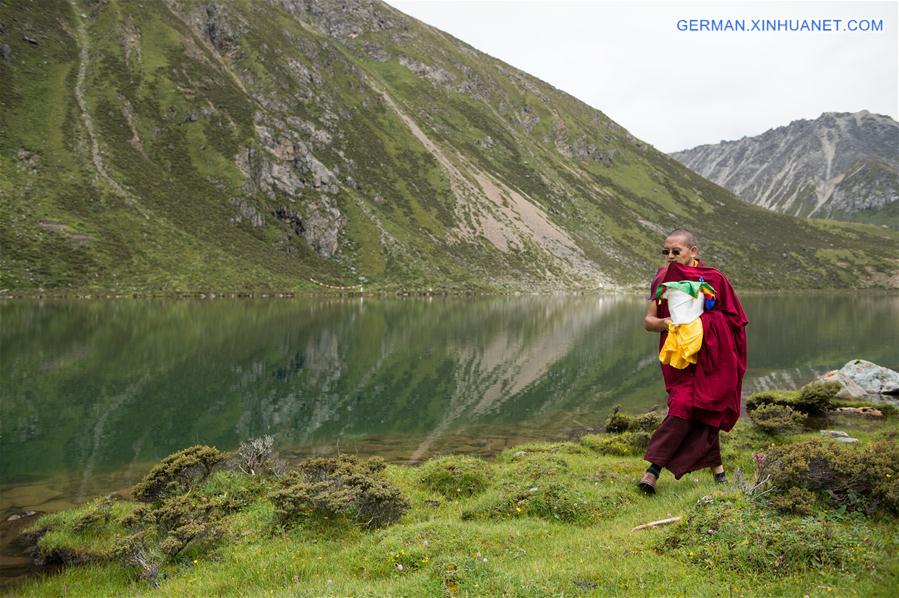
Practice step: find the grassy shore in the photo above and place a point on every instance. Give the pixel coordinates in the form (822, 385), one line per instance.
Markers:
(539, 519)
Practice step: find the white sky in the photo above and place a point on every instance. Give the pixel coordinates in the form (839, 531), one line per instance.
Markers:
(679, 89)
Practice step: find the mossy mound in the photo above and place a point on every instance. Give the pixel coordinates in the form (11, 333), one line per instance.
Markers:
(529, 450)
(545, 487)
(455, 476)
(731, 533)
(89, 533)
(624, 444)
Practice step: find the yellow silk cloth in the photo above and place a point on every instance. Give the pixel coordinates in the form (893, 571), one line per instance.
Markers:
(682, 344)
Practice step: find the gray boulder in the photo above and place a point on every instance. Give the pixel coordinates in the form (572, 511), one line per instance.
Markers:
(860, 378)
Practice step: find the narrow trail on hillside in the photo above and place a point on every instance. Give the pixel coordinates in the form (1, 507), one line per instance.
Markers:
(96, 157)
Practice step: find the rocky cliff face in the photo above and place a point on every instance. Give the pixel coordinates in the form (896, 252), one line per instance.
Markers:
(840, 165)
(289, 144)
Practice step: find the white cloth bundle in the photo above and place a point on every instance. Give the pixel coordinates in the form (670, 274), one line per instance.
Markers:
(683, 308)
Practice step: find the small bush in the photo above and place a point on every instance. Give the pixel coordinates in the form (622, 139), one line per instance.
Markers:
(146, 559)
(815, 399)
(455, 476)
(797, 501)
(853, 477)
(619, 422)
(177, 473)
(257, 456)
(624, 444)
(732, 533)
(647, 422)
(184, 519)
(341, 486)
(777, 419)
(812, 399)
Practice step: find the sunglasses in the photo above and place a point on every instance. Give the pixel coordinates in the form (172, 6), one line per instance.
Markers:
(675, 251)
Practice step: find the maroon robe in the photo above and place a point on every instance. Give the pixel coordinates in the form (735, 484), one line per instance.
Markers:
(705, 396)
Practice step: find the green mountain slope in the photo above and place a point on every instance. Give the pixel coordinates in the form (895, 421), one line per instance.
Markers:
(287, 144)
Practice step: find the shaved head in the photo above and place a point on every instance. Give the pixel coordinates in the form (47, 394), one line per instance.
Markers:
(685, 235)
(680, 246)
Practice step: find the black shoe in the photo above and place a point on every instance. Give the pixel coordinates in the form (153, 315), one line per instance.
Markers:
(648, 483)
(721, 478)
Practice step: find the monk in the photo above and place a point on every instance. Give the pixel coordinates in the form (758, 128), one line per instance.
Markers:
(704, 397)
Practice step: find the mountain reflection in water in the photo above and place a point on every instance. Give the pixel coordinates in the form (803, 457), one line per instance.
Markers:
(93, 392)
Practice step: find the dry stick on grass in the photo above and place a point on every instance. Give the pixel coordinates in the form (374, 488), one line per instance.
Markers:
(658, 523)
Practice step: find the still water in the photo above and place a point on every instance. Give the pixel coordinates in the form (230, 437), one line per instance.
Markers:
(92, 393)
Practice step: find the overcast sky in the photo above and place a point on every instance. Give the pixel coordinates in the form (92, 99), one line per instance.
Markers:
(678, 89)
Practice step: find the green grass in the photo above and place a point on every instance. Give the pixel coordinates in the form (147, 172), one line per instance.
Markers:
(543, 518)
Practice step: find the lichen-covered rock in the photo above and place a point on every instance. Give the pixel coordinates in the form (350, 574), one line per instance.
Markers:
(343, 19)
(874, 379)
(322, 227)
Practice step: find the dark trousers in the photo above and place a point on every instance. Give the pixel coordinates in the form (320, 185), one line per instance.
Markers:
(683, 446)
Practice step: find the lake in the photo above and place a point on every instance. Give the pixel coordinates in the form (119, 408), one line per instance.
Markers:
(92, 393)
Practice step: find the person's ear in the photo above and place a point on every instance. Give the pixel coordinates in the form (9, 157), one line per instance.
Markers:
(694, 250)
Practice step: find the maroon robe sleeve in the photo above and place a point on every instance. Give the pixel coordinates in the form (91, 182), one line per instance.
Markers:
(656, 281)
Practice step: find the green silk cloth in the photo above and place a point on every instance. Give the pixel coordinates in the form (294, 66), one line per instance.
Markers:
(690, 287)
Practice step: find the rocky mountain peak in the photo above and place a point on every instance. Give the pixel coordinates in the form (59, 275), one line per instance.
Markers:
(842, 165)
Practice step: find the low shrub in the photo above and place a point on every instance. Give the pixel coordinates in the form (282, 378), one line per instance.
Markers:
(647, 422)
(624, 444)
(342, 486)
(771, 397)
(817, 398)
(797, 501)
(455, 476)
(849, 476)
(181, 520)
(777, 419)
(813, 399)
(145, 558)
(177, 473)
(619, 422)
(733, 534)
(257, 456)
